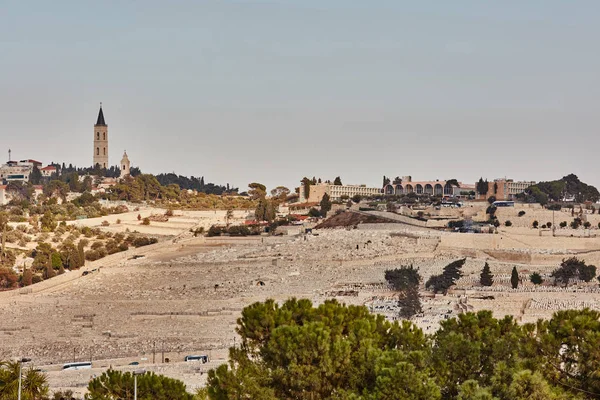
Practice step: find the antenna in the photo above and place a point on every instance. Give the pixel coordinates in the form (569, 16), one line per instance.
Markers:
(9, 155)
(100, 104)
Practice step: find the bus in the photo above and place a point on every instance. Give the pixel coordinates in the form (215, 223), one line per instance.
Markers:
(202, 359)
(77, 365)
(504, 203)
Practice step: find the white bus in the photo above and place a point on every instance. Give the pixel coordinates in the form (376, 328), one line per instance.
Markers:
(77, 365)
(202, 359)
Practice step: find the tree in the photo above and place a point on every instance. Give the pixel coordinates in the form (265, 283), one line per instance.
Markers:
(451, 273)
(357, 198)
(514, 278)
(228, 216)
(486, 278)
(313, 212)
(117, 385)
(306, 183)
(406, 280)
(337, 181)
(521, 213)
(325, 205)
(536, 278)
(535, 224)
(36, 176)
(280, 193)
(482, 187)
(34, 384)
(507, 223)
(27, 278)
(573, 268)
(491, 199)
(297, 351)
(3, 227)
(48, 222)
(453, 182)
(386, 181)
(257, 191)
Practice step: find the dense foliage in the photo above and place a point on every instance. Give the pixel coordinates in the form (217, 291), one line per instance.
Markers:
(117, 385)
(193, 183)
(567, 187)
(34, 385)
(333, 351)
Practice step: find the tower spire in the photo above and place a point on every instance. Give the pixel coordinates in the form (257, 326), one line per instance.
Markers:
(100, 117)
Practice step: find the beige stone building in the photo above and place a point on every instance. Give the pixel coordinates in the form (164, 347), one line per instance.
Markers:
(101, 141)
(336, 192)
(505, 189)
(125, 166)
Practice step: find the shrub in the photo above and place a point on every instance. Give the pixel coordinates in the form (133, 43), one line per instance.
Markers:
(587, 225)
(118, 221)
(143, 241)
(146, 221)
(105, 223)
(215, 230)
(564, 224)
(549, 224)
(535, 224)
(521, 213)
(507, 223)
(536, 278)
(239, 230)
(313, 212)
(169, 212)
(544, 226)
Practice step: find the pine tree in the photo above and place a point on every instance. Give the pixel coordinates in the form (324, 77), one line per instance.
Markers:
(486, 277)
(337, 181)
(514, 278)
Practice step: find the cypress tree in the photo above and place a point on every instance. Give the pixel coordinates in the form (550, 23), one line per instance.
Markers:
(486, 278)
(514, 278)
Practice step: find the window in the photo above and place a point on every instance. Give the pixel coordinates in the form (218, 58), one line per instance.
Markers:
(97, 135)
(97, 151)
(104, 149)
(104, 135)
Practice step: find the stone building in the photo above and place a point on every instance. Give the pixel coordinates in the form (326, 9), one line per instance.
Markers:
(125, 166)
(101, 141)
(505, 189)
(335, 192)
(407, 185)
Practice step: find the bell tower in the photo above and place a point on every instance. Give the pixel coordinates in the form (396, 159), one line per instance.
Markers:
(101, 141)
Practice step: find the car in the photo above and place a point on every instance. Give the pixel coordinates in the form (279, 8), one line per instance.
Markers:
(134, 363)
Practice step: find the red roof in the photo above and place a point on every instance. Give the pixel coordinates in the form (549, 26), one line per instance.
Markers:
(48, 168)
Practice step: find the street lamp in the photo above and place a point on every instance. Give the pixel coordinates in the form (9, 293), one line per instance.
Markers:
(21, 361)
(135, 375)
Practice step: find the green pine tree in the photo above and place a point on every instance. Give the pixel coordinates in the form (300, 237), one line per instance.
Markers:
(486, 278)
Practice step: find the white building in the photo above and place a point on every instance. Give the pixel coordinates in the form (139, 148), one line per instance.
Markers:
(336, 192)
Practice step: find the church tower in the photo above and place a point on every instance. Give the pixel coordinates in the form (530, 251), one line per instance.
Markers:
(125, 166)
(101, 141)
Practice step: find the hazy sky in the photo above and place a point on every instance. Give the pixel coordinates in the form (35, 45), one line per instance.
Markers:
(274, 90)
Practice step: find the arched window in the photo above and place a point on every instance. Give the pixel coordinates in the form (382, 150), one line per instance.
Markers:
(97, 151)
(104, 149)
(97, 135)
(104, 135)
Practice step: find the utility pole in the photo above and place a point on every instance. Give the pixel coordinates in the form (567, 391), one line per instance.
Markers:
(163, 352)
(154, 352)
(73, 354)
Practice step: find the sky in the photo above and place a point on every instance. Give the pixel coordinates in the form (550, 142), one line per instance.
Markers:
(275, 90)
